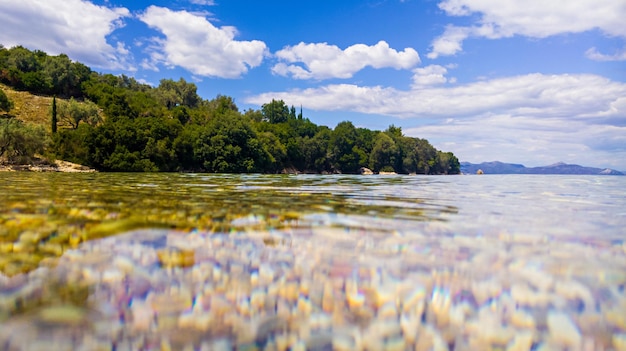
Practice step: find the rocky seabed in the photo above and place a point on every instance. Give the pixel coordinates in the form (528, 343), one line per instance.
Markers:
(321, 288)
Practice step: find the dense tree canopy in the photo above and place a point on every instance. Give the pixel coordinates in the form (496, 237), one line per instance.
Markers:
(114, 123)
(39, 73)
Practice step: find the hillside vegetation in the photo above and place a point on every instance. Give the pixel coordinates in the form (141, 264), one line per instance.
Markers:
(28, 107)
(63, 109)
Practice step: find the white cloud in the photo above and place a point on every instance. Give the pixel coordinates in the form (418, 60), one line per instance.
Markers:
(531, 18)
(530, 141)
(193, 43)
(430, 75)
(449, 43)
(574, 96)
(73, 27)
(594, 54)
(203, 2)
(324, 61)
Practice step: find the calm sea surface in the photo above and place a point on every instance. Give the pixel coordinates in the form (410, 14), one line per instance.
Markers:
(196, 261)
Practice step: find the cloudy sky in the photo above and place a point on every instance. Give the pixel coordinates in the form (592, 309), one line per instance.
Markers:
(532, 82)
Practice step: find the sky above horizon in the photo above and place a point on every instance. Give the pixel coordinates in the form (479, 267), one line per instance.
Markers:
(533, 82)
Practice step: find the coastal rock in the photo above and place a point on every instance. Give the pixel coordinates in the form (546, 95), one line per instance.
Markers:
(365, 171)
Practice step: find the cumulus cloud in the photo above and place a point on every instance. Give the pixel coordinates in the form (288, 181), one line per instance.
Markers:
(449, 43)
(73, 27)
(532, 18)
(575, 96)
(430, 75)
(193, 43)
(324, 61)
(594, 54)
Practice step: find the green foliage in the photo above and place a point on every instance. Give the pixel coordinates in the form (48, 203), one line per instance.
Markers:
(228, 144)
(5, 103)
(39, 73)
(315, 151)
(118, 124)
(347, 156)
(71, 144)
(276, 111)
(19, 142)
(54, 119)
(73, 112)
(384, 153)
(172, 94)
(221, 104)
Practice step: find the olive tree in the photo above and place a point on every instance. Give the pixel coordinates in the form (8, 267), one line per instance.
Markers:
(72, 112)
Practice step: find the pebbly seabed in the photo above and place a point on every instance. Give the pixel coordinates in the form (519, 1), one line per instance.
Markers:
(317, 262)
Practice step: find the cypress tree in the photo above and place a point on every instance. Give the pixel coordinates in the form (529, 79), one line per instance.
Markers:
(54, 114)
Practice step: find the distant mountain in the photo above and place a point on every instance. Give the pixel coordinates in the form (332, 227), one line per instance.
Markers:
(497, 167)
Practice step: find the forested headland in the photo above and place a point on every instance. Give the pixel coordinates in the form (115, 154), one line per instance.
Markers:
(115, 123)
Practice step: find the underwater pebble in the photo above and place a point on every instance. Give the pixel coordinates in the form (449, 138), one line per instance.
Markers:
(521, 342)
(619, 342)
(563, 331)
(522, 320)
(66, 315)
(295, 297)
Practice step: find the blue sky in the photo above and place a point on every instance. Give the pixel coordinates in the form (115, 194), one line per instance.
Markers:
(533, 82)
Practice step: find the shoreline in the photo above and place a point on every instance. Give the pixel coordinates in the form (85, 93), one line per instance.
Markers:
(56, 166)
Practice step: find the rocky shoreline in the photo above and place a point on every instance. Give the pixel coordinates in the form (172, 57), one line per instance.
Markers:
(56, 166)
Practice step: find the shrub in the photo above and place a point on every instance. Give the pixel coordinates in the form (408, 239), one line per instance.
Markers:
(5, 104)
(20, 142)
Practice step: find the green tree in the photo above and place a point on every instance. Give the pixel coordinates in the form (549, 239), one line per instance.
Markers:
(5, 103)
(54, 115)
(64, 77)
(19, 142)
(384, 153)
(275, 111)
(276, 150)
(447, 163)
(23, 60)
(422, 155)
(346, 155)
(73, 145)
(315, 151)
(73, 112)
(228, 144)
(220, 105)
(171, 93)
(292, 113)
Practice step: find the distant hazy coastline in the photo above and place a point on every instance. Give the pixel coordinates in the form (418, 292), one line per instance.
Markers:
(497, 167)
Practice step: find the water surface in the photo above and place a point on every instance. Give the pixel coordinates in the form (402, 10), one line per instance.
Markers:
(150, 261)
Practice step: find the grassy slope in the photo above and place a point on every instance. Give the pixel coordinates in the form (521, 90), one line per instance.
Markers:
(35, 109)
(28, 107)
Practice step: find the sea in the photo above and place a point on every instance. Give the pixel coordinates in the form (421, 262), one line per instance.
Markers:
(177, 261)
